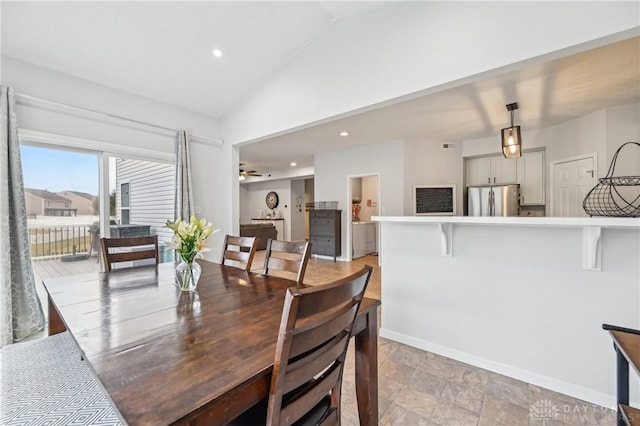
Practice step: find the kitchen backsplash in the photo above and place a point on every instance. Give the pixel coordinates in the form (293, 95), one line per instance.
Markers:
(532, 211)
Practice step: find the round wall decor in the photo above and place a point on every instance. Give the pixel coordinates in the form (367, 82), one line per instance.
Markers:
(272, 200)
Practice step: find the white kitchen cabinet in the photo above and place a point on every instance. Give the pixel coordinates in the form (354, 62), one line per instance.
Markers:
(504, 170)
(371, 238)
(491, 170)
(359, 238)
(531, 177)
(364, 239)
(478, 171)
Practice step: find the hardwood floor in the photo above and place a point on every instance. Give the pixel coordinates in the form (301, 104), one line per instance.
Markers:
(322, 271)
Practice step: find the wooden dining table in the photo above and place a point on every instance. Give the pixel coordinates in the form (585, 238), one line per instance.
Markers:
(167, 357)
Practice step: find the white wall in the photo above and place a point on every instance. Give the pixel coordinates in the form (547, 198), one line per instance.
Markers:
(623, 125)
(356, 188)
(333, 171)
(410, 47)
(370, 191)
(245, 213)
(54, 86)
(427, 163)
(212, 168)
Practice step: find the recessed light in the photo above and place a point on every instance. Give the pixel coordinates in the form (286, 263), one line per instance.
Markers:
(344, 133)
(293, 164)
(217, 53)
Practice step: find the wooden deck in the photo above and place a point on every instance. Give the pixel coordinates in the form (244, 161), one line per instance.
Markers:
(54, 268)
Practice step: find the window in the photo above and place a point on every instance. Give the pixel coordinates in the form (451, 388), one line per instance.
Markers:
(124, 204)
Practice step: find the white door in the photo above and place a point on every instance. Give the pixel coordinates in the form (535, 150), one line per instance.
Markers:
(571, 181)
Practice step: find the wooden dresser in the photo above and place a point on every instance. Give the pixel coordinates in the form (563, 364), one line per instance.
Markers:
(325, 232)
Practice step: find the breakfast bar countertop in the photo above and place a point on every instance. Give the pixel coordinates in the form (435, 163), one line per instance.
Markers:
(564, 222)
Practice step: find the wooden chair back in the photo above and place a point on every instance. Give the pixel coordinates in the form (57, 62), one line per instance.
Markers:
(143, 248)
(312, 344)
(239, 250)
(287, 256)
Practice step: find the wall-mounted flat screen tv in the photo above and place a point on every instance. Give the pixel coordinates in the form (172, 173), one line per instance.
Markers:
(434, 200)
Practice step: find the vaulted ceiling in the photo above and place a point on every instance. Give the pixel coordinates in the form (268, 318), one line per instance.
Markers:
(163, 50)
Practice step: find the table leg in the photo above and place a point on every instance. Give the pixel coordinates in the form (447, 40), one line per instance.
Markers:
(55, 322)
(622, 367)
(367, 371)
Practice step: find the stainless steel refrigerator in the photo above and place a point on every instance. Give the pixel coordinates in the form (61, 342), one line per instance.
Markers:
(493, 200)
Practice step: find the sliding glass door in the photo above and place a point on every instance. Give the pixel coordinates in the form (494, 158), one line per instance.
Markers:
(64, 205)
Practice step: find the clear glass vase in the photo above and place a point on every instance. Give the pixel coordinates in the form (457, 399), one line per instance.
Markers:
(187, 275)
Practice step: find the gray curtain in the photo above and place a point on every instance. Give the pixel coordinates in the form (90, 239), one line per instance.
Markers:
(20, 310)
(184, 198)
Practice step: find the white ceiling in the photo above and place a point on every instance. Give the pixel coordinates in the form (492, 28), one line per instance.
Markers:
(162, 51)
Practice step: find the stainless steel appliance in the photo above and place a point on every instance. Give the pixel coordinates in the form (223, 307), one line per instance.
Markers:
(493, 200)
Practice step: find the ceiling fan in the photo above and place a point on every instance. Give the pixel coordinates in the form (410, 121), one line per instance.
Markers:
(245, 173)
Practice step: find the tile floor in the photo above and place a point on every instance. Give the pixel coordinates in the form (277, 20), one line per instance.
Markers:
(420, 388)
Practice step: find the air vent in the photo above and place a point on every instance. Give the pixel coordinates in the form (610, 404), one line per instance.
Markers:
(448, 146)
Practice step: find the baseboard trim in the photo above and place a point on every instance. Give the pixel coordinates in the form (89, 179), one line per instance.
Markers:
(555, 385)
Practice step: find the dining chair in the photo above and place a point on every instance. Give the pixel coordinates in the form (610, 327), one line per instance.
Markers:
(287, 256)
(314, 334)
(137, 248)
(239, 251)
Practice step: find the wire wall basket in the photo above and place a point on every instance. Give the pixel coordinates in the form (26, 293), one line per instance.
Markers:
(615, 195)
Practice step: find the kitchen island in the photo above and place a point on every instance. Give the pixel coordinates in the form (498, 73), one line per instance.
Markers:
(524, 297)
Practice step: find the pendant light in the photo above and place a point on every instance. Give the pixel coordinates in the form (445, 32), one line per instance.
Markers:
(511, 139)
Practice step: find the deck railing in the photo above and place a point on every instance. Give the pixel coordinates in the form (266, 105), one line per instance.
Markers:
(55, 241)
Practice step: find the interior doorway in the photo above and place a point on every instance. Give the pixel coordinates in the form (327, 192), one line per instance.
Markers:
(363, 233)
(571, 180)
(308, 204)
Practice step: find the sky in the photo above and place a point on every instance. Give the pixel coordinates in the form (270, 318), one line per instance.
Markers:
(57, 170)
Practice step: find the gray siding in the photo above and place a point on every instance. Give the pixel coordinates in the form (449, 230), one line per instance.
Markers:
(151, 192)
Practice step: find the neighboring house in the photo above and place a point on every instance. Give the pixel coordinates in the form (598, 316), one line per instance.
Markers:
(41, 202)
(145, 195)
(84, 203)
